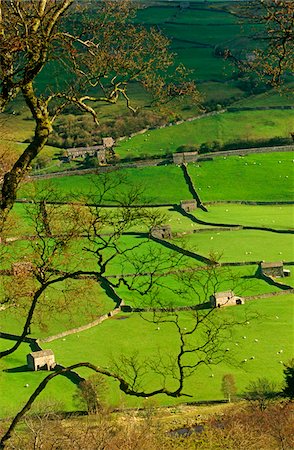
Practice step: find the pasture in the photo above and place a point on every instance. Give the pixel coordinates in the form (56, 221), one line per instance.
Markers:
(223, 179)
(264, 341)
(252, 125)
(124, 335)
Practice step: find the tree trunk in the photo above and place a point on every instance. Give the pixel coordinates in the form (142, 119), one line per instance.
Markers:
(13, 178)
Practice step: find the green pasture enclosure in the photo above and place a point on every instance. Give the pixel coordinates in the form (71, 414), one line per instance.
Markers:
(179, 290)
(154, 15)
(224, 128)
(277, 217)
(63, 306)
(202, 34)
(282, 97)
(160, 14)
(255, 177)
(217, 91)
(242, 245)
(271, 216)
(17, 384)
(204, 64)
(126, 333)
(162, 184)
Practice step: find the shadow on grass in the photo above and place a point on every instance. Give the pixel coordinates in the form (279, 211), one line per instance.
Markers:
(18, 369)
(271, 281)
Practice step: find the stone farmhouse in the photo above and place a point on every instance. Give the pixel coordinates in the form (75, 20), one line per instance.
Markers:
(162, 232)
(188, 205)
(272, 269)
(226, 298)
(185, 157)
(40, 360)
(100, 151)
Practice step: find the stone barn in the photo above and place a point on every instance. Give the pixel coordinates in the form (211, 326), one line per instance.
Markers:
(162, 232)
(40, 360)
(226, 298)
(272, 269)
(185, 157)
(101, 156)
(108, 142)
(188, 205)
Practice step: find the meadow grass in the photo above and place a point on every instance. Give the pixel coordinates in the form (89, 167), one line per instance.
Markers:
(245, 178)
(204, 64)
(64, 306)
(178, 290)
(226, 127)
(158, 185)
(224, 178)
(276, 217)
(270, 98)
(14, 379)
(125, 333)
(241, 245)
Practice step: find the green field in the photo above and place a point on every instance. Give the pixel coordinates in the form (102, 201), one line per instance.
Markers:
(122, 337)
(226, 127)
(265, 342)
(243, 245)
(245, 178)
(224, 178)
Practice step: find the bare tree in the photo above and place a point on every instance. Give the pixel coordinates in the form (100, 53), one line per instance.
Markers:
(53, 258)
(272, 39)
(96, 48)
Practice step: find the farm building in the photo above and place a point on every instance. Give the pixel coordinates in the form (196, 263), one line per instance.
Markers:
(273, 269)
(41, 359)
(99, 151)
(185, 157)
(226, 298)
(188, 205)
(162, 232)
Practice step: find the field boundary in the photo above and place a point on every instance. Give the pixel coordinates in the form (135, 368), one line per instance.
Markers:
(150, 162)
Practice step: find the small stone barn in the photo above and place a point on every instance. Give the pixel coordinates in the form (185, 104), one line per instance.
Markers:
(185, 157)
(226, 298)
(101, 156)
(108, 142)
(188, 205)
(40, 360)
(162, 232)
(272, 269)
